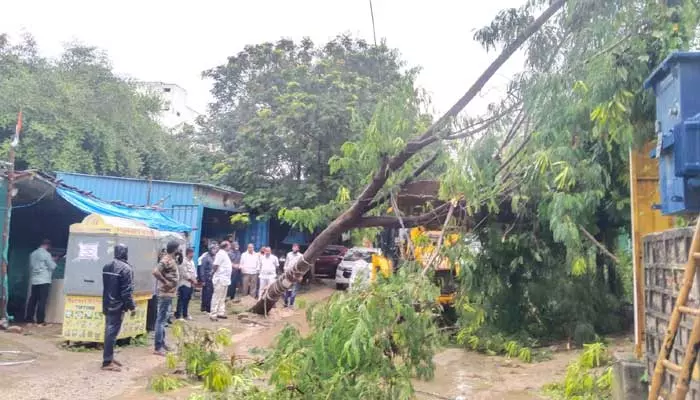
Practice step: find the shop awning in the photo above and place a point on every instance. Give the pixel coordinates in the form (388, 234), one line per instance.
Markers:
(152, 218)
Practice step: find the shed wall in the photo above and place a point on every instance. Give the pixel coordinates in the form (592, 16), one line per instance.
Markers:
(665, 255)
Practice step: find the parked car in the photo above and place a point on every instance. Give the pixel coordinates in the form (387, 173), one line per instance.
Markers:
(328, 261)
(357, 258)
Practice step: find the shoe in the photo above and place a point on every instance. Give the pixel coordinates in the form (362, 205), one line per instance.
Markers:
(213, 319)
(189, 318)
(167, 348)
(111, 367)
(222, 317)
(117, 363)
(161, 353)
(181, 319)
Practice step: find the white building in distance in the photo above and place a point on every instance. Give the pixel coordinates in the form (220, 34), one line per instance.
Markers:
(175, 112)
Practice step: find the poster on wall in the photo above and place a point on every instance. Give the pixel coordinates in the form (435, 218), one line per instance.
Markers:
(83, 320)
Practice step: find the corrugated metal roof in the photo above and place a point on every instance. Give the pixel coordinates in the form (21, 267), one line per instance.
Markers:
(204, 185)
(135, 191)
(47, 181)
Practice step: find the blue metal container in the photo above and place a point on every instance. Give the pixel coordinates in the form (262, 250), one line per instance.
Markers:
(676, 82)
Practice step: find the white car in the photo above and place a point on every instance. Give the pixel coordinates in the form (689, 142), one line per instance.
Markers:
(355, 265)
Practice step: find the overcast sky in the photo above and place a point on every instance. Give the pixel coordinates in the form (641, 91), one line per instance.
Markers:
(174, 41)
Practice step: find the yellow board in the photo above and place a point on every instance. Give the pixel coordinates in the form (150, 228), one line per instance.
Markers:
(644, 194)
(95, 223)
(83, 320)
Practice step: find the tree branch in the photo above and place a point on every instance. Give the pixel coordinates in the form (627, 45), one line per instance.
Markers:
(441, 239)
(395, 206)
(482, 125)
(491, 70)
(386, 221)
(416, 173)
(519, 119)
(600, 246)
(520, 148)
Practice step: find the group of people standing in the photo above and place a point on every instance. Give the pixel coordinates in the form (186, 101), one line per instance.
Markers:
(176, 277)
(225, 272)
(220, 271)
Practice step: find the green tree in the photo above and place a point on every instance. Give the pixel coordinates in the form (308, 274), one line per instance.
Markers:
(563, 164)
(389, 153)
(283, 109)
(79, 116)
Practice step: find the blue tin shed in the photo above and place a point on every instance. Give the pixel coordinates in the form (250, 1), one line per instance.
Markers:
(206, 208)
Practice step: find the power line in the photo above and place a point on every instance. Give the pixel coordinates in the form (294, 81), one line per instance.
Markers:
(374, 29)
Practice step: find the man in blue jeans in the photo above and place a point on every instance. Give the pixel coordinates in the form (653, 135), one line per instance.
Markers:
(188, 276)
(293, 258)
(117, 298)
(166, 273)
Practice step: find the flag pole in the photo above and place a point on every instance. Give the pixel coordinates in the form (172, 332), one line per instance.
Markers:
(4, 317)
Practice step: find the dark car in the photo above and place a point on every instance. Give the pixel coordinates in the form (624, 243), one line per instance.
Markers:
(327, 263)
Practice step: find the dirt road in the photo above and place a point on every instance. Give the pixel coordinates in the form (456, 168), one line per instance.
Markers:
(59, 374)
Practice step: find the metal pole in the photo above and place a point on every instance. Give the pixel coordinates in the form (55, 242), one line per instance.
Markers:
(637, 270)
(6, 233)
(148, 193)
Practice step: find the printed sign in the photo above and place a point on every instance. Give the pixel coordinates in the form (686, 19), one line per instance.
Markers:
(83, 320)
(88, 251)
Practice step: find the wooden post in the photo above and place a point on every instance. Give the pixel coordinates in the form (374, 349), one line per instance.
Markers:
(644, 194)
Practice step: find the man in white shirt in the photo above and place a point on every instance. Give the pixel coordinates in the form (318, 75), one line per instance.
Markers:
(221, 278)
(293, 257)
(268, 269)
(250, 266)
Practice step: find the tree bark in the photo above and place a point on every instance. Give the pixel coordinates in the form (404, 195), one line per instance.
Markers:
(353, 216)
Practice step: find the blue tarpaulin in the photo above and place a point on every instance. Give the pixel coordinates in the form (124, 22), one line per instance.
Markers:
(154, 219)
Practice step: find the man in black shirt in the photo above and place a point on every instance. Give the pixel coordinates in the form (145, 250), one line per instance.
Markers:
(235, 255)
(205, 274)
(117, 298)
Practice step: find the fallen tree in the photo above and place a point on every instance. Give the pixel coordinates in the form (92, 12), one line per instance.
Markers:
(356, 216)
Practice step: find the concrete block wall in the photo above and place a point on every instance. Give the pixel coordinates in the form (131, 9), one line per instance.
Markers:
(665, 256)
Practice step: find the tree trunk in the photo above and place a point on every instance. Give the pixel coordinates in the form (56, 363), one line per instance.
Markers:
(354, 214)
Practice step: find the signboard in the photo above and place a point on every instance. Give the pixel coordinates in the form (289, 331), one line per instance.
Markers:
(83, 320)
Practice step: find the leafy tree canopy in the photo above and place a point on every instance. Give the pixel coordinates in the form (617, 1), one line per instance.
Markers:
(283, 110)
(560, 161)
(80, 117)
(545, 171)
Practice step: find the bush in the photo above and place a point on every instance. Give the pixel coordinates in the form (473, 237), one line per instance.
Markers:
(587, 378)
(364, 344)
(199, 357)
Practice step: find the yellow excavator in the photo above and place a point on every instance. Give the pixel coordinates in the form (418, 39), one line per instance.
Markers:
(424, 247)
(446, 272)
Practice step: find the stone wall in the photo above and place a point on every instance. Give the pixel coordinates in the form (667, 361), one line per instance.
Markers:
(665, 256)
